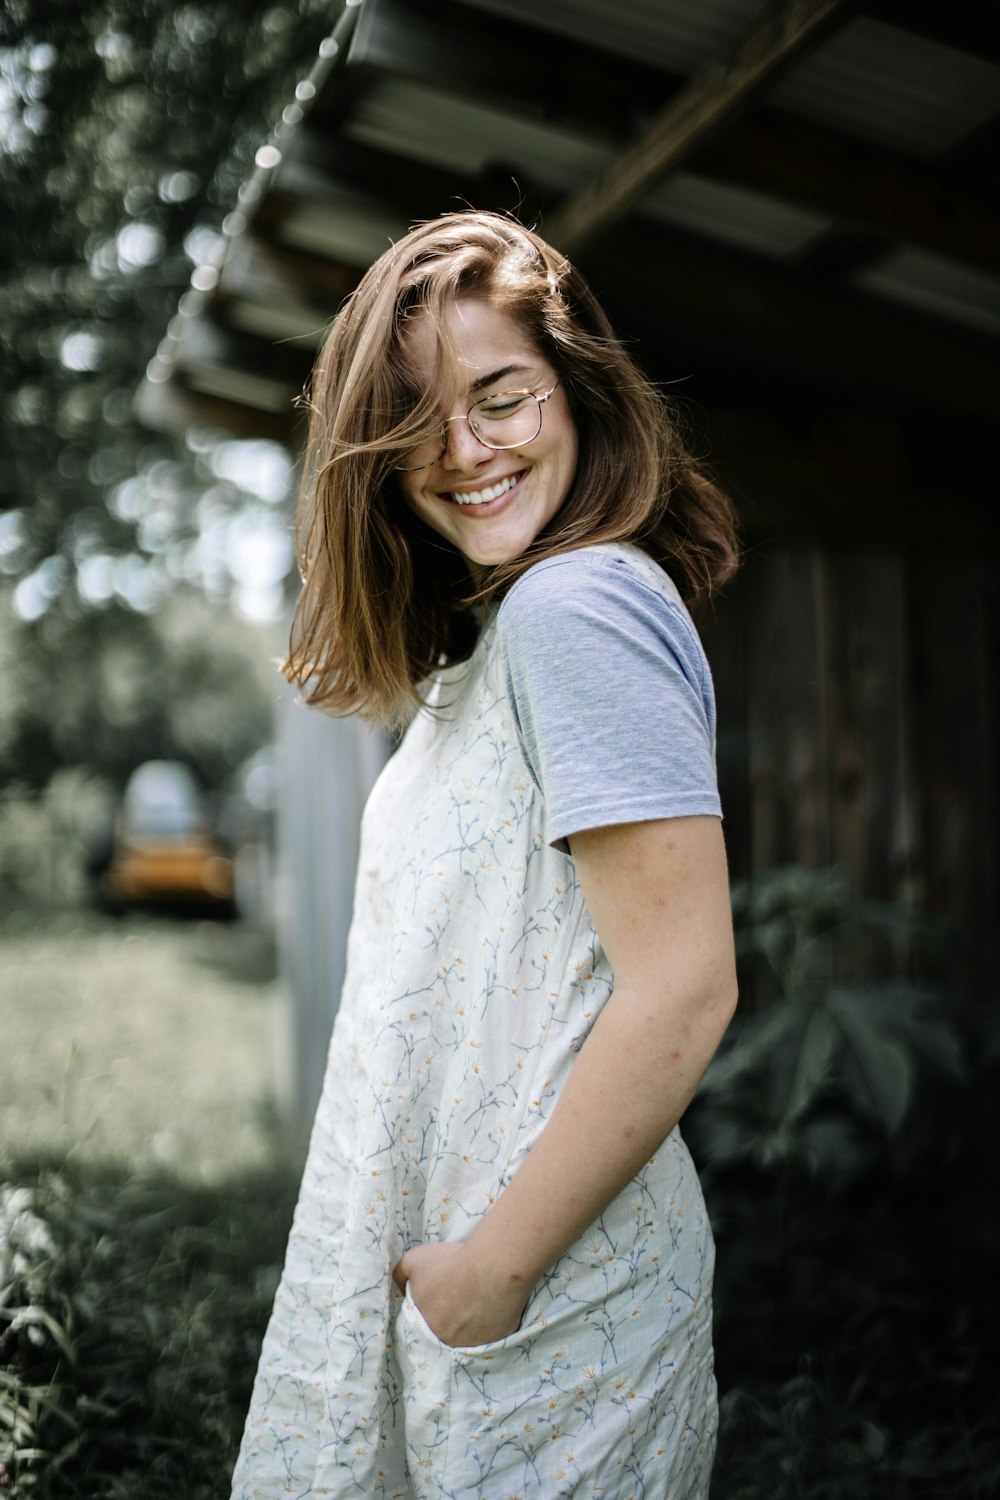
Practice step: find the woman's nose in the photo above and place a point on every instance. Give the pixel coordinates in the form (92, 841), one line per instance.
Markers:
(461, 446)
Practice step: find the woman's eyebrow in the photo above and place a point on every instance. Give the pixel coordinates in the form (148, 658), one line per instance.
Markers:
(494, 375)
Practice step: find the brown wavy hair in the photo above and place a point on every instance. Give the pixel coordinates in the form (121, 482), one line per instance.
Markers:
(385, 601)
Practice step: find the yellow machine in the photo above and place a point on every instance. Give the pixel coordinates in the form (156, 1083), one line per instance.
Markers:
(164, 846)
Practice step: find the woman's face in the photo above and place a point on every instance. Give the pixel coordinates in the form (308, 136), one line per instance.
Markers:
(457, 496)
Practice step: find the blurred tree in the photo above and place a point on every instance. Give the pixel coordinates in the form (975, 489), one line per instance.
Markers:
(125, 132)
(182, 683)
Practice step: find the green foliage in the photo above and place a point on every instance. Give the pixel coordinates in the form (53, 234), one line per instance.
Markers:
(125, 133)
(837, 1053)
(103, 694)
(45, 841)
(807, 1440)
(131, 1314)
(843, 1149)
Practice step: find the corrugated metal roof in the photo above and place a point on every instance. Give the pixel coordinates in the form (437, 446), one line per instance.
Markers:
(458, 134)
(675, 35)
(875, 82)
(936, 285)
(342, 227)
(892, 87)
(735, 215)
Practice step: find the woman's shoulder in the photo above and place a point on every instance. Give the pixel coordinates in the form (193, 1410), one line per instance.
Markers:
(607, 577)
(609, 689)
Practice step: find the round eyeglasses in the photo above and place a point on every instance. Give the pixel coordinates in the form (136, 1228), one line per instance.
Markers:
(507, 420)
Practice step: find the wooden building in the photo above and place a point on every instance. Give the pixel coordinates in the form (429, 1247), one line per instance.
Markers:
(793, 212)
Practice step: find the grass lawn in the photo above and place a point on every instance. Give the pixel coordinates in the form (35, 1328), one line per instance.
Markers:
(145, 1196)
(152, 1042)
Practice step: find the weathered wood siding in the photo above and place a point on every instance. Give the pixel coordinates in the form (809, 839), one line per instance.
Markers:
(858, 713)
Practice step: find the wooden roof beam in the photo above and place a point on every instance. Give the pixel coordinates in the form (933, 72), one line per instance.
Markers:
(710, 100)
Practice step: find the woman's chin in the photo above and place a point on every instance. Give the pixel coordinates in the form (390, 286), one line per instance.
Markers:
(486, 545)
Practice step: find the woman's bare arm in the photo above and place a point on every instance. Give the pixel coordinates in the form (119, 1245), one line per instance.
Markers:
(659, 897)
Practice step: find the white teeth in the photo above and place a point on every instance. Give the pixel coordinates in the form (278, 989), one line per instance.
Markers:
(480, 497)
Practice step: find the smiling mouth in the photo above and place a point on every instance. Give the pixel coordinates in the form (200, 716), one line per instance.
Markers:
(484, 496)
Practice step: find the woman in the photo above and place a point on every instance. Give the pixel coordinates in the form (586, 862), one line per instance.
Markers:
(540, 964)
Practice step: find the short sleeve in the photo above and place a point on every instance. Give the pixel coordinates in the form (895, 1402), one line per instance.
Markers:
(610, 692)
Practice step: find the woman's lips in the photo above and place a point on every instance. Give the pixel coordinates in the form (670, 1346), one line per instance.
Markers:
(474, 502)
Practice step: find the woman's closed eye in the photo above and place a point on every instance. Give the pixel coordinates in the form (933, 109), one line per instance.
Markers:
(504, 404)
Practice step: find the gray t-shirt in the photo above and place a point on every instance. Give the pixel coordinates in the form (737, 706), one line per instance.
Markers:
(611, 691)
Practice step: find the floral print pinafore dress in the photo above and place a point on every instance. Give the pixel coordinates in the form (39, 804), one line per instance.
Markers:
(474, 975)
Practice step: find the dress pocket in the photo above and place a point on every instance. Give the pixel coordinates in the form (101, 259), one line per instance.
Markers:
(514, 1343)
(453, 1399)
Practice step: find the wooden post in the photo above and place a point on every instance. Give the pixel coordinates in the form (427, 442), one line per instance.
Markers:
(326, 768)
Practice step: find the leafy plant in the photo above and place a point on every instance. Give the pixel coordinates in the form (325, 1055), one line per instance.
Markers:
(843, 1132)
(837, 1053)
(132, 1312)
